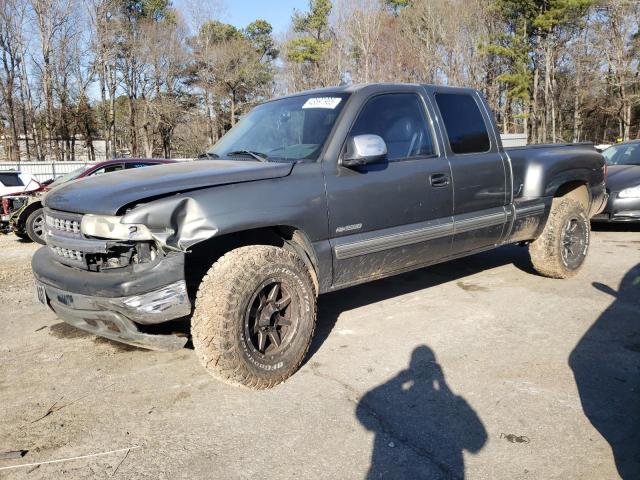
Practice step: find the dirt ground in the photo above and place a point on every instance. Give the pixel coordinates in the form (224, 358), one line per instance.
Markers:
(477, 368)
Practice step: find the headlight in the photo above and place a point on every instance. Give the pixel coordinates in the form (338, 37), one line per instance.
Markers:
(103, 226)
(632, 192)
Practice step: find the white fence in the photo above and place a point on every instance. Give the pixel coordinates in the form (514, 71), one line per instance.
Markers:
(43, 170)
(513, 139)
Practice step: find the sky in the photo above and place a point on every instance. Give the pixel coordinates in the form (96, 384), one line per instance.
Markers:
(242, 12)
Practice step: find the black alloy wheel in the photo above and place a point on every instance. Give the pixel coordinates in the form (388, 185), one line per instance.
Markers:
(269, 322)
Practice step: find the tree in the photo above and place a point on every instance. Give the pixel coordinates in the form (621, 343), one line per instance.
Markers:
(162, 96)
(52, 17)
(512, 47)
(11, 20)
(233, 67)
(363, 27)
(134, 14)
(313, 39)
(618, 34)
(259, 33)
(533, 29)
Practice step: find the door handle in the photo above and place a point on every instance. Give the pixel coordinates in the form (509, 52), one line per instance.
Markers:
(439, 180)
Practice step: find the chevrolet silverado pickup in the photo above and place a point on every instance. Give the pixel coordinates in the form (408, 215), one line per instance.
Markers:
(307, 194)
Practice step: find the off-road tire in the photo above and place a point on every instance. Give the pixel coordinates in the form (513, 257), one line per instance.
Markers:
(224, 301)
(546, 251)
(30, 225)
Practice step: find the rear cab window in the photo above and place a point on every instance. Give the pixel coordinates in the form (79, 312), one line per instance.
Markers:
(11, 179)
(464, 123)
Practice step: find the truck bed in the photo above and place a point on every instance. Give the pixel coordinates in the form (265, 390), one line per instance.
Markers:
(534, 165)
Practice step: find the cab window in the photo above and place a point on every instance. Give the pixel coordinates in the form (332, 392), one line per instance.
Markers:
(401, 122)
(463, 121)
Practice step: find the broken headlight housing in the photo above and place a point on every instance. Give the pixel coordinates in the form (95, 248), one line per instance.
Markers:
(111, 227)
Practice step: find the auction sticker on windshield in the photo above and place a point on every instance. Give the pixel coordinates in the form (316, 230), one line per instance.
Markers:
(322, 102)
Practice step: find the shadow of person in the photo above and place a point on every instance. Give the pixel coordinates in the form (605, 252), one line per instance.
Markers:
(606, 367)
(421, 427)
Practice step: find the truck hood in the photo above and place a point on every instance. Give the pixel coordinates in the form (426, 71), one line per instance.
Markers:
(106, 194)
(620, 177)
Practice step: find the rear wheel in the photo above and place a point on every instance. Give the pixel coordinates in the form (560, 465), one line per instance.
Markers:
(34, 226)
(562, 247)
(255, 316)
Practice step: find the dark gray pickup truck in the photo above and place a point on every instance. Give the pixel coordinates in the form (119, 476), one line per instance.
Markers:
(309, 193)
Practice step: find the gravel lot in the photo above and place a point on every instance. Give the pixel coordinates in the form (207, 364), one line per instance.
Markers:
(476, 368)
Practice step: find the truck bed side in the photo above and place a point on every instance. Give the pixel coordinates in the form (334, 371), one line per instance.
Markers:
(542, 171)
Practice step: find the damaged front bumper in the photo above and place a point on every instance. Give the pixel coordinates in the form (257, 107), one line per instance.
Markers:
(115, 304)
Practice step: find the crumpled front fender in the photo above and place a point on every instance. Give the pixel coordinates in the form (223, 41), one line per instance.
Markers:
(176, 223)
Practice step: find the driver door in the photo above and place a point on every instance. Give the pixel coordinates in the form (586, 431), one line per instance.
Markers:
(394, 215)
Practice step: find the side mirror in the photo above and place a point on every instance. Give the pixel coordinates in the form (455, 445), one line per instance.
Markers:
(364, 149)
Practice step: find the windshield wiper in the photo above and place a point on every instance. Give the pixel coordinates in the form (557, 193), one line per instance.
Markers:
(208, 155)
(262, 157)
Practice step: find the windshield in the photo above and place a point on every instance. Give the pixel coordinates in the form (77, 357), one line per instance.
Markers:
(69, 176)
(623, 154)
(288, 129)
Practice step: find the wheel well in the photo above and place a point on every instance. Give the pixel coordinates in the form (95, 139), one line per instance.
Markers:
(576, 190)
(201, 256)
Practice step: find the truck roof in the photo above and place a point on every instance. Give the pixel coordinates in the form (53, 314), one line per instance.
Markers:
(373, 88)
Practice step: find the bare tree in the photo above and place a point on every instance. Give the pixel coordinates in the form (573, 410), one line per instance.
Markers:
(617, 27)
(12, 14)
(104, 30)
(51, 17)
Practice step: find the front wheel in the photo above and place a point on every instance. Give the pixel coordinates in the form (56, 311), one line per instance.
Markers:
(562, 247)
(255, 316)
(34, 226)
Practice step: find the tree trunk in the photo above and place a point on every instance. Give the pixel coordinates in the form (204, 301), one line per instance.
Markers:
(106, 133)
(547, 87)
(24, 124)
(112, 122)
(576, 110)
(133, 135)
(626, 119)
(14, 147)
(233, 107)
(535, 123)
(210, 123)
(552, 94)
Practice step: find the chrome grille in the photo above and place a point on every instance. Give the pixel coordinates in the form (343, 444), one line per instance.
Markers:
(70, 254)
(71, 247)
(63, 224)
(62, 231)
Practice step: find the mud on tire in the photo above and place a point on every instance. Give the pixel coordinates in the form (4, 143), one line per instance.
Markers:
(255, 316)
(560, 251)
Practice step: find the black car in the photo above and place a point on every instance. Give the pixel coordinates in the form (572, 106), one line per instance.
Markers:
(623, 183)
